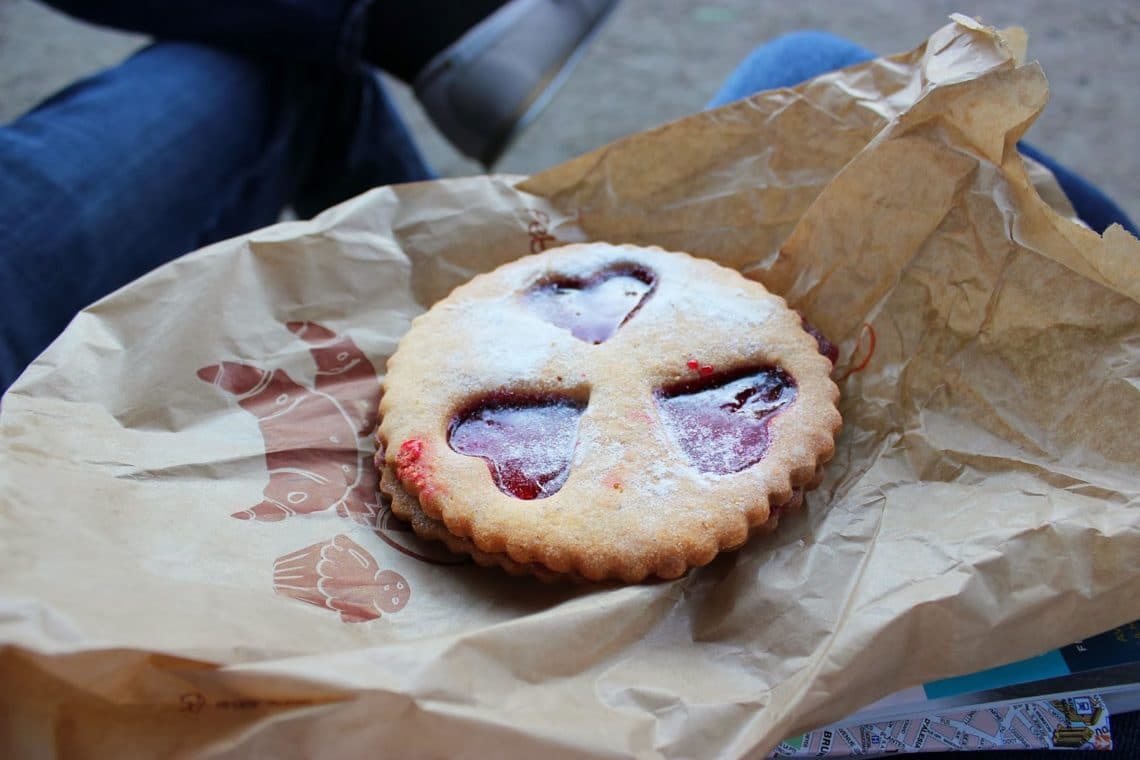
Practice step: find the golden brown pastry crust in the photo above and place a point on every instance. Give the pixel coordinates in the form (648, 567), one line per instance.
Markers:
(407, 508)
(633, 505)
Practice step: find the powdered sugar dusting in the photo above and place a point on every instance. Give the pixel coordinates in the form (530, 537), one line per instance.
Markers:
(735, 310)
(632, 386)
(592, 308)
(499, 345)
(658, 482)
(587, 260)
(594, 454)
(722, 426)
(527, 443)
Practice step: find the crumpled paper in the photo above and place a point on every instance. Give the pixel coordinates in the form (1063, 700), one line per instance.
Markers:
(196, 562)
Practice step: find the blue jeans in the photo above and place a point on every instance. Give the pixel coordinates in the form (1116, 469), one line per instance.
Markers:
(186, 143)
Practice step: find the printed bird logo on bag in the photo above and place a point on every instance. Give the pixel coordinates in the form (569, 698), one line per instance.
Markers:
(318, 456)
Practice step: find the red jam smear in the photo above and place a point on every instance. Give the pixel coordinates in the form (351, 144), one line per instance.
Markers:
(527, 442)
(826, 347)
(721, 422)
(595, 307)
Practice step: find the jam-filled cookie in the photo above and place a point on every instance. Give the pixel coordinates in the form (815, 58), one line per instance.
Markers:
(604, 411)
(407, 508)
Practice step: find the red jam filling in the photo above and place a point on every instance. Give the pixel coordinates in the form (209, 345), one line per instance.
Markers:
(721, 421)
(592, 308)
(527, 442)
(826, 347)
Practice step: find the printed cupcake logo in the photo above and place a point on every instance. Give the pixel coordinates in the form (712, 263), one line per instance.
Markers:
(341, 575)
(318, 455)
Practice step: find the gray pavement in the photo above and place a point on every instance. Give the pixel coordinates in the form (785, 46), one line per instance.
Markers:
(661, 59)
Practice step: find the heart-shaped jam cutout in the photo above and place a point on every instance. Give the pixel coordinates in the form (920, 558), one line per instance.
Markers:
(527, 442)
(592, 308)
(721, 421)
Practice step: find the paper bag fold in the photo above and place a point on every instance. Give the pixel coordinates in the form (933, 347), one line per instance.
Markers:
(982, 505)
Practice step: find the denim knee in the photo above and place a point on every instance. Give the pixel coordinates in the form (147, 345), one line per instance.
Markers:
(788, 60)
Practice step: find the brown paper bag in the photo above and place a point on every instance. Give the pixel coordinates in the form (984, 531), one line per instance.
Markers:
(982, 507)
